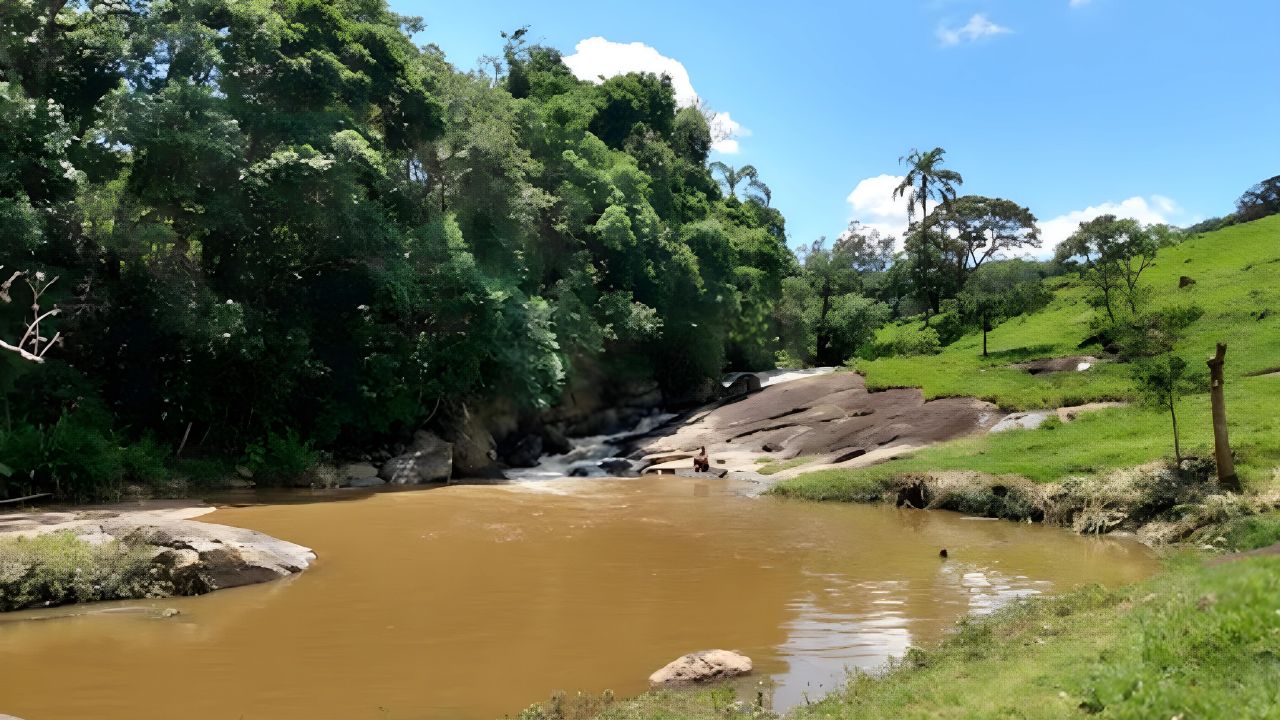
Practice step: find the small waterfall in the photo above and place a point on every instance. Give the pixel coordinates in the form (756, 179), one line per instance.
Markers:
(594, 456)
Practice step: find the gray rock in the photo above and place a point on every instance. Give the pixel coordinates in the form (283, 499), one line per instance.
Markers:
(524, 452)
(554, 441)
(704, 666)
(367, 482)
(360, 470)
(427, 459)
(615, 465)
(202, 557)
(474, 449)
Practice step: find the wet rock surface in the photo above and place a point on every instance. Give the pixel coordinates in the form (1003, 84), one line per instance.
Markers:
(428, 459)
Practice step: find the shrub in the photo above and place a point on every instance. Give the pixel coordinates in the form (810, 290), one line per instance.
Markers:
(75, 459)
(912, 342)
(282, 458)
(59, 568)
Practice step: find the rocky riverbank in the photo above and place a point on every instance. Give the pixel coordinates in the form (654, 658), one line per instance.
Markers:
(141, 550)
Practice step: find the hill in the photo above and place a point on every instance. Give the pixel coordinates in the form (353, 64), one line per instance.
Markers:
(1237, 284)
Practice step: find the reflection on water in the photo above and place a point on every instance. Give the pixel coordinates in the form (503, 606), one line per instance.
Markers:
(473, 602)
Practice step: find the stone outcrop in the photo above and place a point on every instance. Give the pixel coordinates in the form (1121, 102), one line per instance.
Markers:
(475, 453)
(189, 557)
(202, 557)
(831, 418)
(428, 459)
(700, 667)
(1073, 363)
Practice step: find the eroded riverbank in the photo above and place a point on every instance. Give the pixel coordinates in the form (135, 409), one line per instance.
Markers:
(472, 602)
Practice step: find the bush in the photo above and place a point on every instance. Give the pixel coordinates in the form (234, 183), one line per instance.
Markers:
(76, 459)
(59, 568)
(913, 342)
(282, 459)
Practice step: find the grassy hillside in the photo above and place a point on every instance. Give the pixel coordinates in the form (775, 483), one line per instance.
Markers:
(1237, 274)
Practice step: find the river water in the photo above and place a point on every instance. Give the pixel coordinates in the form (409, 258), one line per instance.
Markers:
(471, 602)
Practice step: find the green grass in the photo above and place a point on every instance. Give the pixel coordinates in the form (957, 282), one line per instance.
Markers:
(1237, 273)
(1195, 642)
(58, 568)
(1252, 532)
(710, 703)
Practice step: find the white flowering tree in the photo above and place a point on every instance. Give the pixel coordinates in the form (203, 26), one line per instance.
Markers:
(32, 345)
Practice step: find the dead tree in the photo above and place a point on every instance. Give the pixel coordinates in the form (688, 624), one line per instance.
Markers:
(1221, 445)
(32, 345)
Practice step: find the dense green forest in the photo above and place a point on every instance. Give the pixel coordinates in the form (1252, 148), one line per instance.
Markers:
(256, 232)
(277, 226)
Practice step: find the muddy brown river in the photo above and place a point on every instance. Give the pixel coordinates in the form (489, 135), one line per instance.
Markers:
(470, 603)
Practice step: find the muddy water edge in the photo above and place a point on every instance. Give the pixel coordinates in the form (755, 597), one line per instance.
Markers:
(471, 602)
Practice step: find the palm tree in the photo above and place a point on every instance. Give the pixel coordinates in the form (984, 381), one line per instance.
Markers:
(758, 192)
(731, 177)
(925, 179)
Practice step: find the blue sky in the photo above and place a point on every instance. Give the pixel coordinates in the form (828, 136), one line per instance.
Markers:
(1165, 110)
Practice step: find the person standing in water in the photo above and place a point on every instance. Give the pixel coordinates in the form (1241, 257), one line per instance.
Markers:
(701, 463)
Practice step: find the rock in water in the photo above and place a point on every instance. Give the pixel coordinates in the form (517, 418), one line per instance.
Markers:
(616, 466)
(704, 666)
(428, 459)
(523, 452)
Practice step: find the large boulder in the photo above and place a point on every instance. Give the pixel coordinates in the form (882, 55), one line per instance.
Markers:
(699, 667)
(523, 452)
(427, 459)
(474, 450)
(201, 557)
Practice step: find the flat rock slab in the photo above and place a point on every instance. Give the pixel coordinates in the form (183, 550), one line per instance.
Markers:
(683, 468)
(197, 557)
(1071, 363)
(824, 416)
(700, 667)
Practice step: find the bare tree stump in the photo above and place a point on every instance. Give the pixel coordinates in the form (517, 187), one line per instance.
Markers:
(1227, 477)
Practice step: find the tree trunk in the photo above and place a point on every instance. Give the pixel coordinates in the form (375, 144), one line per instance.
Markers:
(823, 339)
(1221, 445)
(986, 327)
(1177, 448)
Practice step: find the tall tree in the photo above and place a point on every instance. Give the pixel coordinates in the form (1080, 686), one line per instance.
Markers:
(975, 229)
(926, 180)
(1259, 201)
(1115, 252)
(731, 178)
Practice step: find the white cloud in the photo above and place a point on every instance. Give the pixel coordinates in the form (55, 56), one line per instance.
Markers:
(725, 131)
(595, 58)
(977, 28)
(875, 207)
(1149, 210)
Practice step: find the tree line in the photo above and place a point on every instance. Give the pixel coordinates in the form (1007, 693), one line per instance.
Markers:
(256, 232)
(282, 227)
